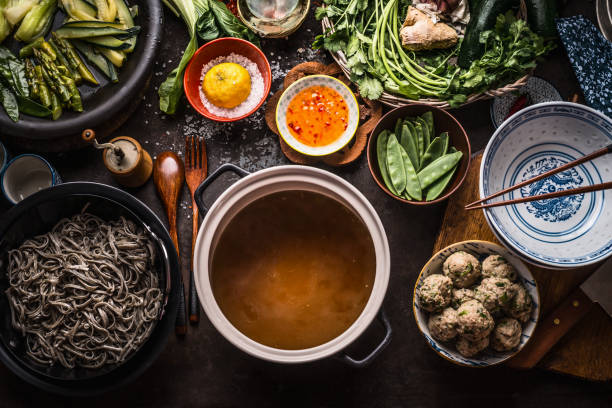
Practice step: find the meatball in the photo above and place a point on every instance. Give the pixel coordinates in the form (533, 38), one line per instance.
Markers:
(506, 334)
(443, 326)
(494, 293)
(435, 292)
(460, 296)
(474, 321)
(469, 348)
(520, 305)
(463, 268)
(497, 266)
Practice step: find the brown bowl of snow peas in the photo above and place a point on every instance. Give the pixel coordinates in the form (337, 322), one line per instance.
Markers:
(419, 154)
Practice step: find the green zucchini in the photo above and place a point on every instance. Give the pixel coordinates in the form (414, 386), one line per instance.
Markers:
(109, 42)
(79, 9)
(97, 59)
(92, 4)
(541, 16)
(482, 19)
(114, 56)
(125, 18)
(88, 32)
(92, 24)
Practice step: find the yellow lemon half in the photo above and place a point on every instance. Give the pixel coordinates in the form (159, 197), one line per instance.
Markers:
(227, 85)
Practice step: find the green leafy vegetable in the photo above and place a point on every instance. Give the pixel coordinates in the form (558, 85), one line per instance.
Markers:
(33, 108)
(367, 32)
(9, 102)
(207, 19)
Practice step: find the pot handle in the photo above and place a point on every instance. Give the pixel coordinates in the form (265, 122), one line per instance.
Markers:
(382, 317)
(202, 187)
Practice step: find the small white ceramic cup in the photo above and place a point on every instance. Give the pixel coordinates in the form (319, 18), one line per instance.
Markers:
(25, 175)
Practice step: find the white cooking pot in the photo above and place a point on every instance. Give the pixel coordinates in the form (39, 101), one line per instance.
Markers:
(254, 186)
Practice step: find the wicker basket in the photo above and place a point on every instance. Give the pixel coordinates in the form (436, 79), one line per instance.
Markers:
(396, 101)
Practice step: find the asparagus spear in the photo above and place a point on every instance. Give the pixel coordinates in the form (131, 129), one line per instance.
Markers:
(44, 96)
(52, 77)
(75, 97)
(56, 107)
(31, 77)
(63, 60)
(76, 64)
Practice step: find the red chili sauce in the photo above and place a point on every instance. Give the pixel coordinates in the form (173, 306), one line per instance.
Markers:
(317, 116)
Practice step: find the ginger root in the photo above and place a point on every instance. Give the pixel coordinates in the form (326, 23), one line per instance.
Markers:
(419, 32)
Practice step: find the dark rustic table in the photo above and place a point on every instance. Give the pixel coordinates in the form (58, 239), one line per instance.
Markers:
(205, 370)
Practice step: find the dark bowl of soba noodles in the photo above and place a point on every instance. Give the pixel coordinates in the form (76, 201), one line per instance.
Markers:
(89, 282)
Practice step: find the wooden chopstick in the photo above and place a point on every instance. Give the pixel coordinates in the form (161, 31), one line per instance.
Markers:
(579, 190)
(588, 157)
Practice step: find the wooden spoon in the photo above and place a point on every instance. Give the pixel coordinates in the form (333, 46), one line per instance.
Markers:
(169, 177)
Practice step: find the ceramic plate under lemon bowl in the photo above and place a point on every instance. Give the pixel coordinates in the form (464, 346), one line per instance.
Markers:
(306, 82)
(564, 232)
(480, 249)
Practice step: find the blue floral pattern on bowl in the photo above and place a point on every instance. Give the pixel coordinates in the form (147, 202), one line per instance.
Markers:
(556, 209)
(564, 233)
(480, 249)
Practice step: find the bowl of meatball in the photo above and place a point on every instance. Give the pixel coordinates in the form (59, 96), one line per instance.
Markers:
(476, 303)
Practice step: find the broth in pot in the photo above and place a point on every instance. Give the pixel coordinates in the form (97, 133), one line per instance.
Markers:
(293, 269)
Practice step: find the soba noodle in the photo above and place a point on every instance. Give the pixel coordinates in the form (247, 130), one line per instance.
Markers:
(85, 294)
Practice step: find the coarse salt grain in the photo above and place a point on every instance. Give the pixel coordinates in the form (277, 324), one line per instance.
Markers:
(255, 96)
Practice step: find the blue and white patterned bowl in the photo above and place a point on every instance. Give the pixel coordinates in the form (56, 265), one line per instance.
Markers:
(565, 232)
(306, 82)
(480, 249)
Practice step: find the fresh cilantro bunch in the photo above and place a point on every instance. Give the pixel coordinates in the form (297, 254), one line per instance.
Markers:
(511, 50)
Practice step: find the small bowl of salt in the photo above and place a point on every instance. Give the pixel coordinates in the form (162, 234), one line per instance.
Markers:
(227, 79)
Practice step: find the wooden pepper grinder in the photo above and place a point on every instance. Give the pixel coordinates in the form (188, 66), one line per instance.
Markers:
(124, 157)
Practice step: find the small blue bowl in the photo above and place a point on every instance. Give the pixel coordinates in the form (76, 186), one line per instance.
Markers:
(25, 175)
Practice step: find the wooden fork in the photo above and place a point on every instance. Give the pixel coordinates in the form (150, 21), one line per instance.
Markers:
(196, 167)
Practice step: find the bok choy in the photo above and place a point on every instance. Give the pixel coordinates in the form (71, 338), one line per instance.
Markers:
(37, 22)
(207, 19)
(5, 27)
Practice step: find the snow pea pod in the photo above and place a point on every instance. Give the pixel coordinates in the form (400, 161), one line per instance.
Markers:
(439, 186)
(445, 141)
(428, 118)
(413, 187)
(395, 164)
(434, 150)
(413, 133)
(420, 133)
(408, 143)
(398, 128)
(381, 154)
(426, 135)
(438, 168)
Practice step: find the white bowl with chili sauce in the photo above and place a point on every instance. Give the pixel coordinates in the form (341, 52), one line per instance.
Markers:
(317, 115)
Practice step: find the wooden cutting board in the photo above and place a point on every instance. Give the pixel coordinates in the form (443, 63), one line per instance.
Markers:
(585, 351)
